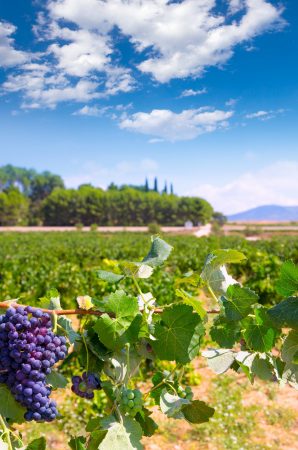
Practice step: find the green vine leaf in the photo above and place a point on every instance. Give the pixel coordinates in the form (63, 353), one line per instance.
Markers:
(259, 333)
(9, 407)
(146, 422)
(66, 325)
(109, 277)
(114, 333)
(225, 333)
(285, 313)
(290, 375)
(197, 412)
(290, 347)
(171, 405)
(238, 302)
(287, 283)
(159, 252)
(225, 256)
(77, 443)
(214, 272)
(37, 444)
(194, 302)
(122, 436)
(219, 360)
(51, 300)
(174, 333)
(56, 380)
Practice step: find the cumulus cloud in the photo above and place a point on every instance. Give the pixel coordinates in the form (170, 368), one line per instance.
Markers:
(187, 36)
(44, 88)
(273, 184)
(93, 111)
(171, 126)
(84, 53)
(193, 92)
(170, 40)
(264, 115)
(9, 56)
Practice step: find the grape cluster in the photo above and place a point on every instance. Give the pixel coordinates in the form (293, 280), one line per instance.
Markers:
(28, 350)
(131, 401)
(185, 393)
(85, 385)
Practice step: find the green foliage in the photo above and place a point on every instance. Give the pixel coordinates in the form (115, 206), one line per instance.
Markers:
(37, 444)
(154, 228)
(32, 263)
(174, 333)
(9, 407)
(127, 329)
(287, 283)
(238, 302)
(14, 208)
(285, 314)
(197, 412)
(259, 332)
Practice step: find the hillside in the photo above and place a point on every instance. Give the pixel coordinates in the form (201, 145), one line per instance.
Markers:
(267, 213)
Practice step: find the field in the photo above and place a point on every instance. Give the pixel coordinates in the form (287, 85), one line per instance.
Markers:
(32, 263)
(260, 417)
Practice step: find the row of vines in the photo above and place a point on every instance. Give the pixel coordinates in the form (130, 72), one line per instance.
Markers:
(32, 263)
(130, 324)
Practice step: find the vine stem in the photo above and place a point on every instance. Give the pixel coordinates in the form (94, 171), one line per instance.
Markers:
(6, 432)
(212, 294)
(76, 312)
(164, 381)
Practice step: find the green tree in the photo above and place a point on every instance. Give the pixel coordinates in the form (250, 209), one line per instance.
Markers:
(14, 207)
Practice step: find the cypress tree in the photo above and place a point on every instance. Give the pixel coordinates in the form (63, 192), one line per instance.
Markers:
(146, 185)
(155, 185)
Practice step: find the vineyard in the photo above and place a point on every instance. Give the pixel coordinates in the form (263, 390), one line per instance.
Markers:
(141, 335)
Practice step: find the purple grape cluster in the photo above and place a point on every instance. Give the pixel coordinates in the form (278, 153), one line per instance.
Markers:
(85, 385)
(28, 350)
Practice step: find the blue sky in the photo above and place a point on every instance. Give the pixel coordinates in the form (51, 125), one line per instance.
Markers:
(201, 93)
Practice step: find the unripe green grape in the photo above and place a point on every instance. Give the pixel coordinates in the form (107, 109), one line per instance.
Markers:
(188, 390)
(137, 393)
(130, 403)
(130, 395)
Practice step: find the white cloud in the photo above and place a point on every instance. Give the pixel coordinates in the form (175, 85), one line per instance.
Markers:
(9, 56)
(85, 53)
(186, 36)
(273, 184)
(265, 115)
(171, 126)
(231, 102)
(44, 88)
(173, 40)
(193, 93)
(86, 110)
(236, 5)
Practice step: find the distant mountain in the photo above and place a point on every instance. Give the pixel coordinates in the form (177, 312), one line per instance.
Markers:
(267, 213)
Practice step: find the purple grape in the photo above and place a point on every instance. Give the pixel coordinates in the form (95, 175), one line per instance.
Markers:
(84, 385)
(28, 350)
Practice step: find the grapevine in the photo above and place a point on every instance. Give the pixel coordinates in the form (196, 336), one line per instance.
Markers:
(122, 332)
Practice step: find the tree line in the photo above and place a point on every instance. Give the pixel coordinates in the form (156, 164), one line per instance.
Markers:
(31, 198)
